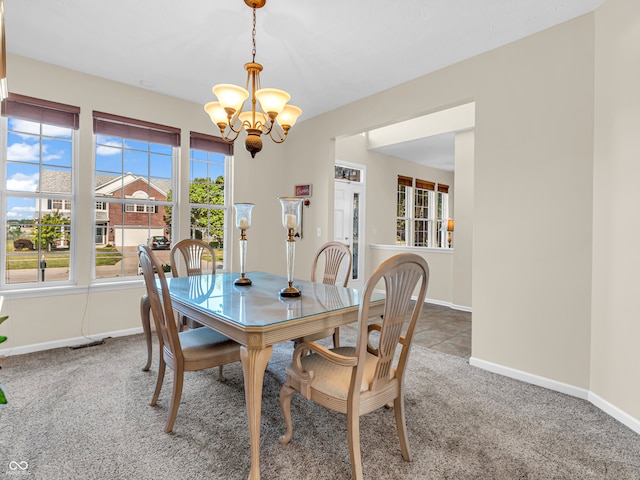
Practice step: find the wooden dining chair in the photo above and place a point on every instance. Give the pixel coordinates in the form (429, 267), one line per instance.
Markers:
(187, 257)
(190, 350)
(335, 260)
(360, 379)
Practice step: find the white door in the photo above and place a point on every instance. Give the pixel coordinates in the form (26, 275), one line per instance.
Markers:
(348, 225)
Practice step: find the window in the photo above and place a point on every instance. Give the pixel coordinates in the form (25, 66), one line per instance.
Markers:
(404, 192)
(134, 185)
(37, 190)
(422, 208)
(209, 195)
(441, 215)
(57, 204)
(346, 173)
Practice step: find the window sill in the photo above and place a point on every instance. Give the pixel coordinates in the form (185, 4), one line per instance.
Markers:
(50, 291)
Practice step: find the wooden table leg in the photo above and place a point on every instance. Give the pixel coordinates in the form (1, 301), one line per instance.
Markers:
(254, 363)
(145, 307)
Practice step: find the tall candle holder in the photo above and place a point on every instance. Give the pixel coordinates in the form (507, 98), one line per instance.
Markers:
(290, 221)
(243, 222)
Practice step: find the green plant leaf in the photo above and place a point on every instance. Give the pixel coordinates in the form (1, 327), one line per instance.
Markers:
(2, 319)
(3, 399)
(3, 339)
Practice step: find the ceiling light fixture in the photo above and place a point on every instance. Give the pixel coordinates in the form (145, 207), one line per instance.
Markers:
(268, 112)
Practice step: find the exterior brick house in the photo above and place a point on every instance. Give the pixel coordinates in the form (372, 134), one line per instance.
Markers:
(123, 225)
(136, 221)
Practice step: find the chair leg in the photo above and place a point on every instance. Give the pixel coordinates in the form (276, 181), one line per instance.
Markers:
(286, 393)
(336, 338)
(398, 404)
(178, 378)
(220, 374)
(353, 434)
(145, 307)
(161, 368)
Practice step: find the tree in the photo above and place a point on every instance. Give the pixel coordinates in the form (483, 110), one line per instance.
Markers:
(49, 229)
(204, 192)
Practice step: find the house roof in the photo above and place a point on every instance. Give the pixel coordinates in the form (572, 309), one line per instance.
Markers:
(59, 181)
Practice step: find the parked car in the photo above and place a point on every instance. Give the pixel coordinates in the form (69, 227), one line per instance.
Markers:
(159, 243)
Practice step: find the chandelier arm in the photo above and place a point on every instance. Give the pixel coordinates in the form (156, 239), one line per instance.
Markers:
(231, 123)
(281, 137)
(229, 138)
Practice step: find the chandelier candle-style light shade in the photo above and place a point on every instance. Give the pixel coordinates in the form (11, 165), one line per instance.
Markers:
(243, 222)
(290, 221)
(266, 113)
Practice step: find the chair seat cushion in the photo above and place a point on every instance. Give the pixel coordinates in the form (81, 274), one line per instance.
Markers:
(334, 380)
(202, 341)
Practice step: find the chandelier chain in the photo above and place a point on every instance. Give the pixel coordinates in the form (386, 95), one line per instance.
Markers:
(253, 35)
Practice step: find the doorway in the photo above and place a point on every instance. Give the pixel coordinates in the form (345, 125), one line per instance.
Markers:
(348, 216)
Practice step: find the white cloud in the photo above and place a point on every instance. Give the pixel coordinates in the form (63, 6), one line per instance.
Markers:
(20, 212)
(58, 132)
(106, 150)
(24, 126)
(53, 156)
(26, 152)
(22, 151)
(23, 183)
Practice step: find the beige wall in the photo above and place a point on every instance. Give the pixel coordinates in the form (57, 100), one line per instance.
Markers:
(463, 228)
(616, 254)
(441, 279)
(534, 201)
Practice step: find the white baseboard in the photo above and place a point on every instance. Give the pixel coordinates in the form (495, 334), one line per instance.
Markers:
(67, 342)
(606, 407)
(530, 378)
(433, 301)
(462, 308)
(615, 412)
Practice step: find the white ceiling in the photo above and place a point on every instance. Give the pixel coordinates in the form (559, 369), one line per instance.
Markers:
(326, 53)
(436, 151)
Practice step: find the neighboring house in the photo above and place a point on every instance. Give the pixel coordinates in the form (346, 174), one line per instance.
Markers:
(131, 225)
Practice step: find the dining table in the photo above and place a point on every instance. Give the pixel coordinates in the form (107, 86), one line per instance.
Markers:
(257, 317)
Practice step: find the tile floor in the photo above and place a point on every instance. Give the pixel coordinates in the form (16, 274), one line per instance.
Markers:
(444, 329)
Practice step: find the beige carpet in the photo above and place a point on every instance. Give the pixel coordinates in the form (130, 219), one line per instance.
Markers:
(84, 414)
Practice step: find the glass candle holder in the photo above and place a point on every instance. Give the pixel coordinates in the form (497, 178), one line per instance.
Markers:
(290, 221)
(243, 222)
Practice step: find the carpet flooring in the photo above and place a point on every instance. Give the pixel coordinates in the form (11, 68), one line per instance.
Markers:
(85, 414)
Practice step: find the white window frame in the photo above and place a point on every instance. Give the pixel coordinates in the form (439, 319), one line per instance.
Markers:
(226, 208)
(73, 216)
(150, 204)
(436, 235)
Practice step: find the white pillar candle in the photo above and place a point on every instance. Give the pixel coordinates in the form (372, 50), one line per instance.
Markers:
(290, 220)
(244, 223)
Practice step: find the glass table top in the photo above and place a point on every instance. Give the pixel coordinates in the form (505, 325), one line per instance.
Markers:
(260, 304)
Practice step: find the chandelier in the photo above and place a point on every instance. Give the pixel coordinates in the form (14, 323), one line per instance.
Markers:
(267, 112)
